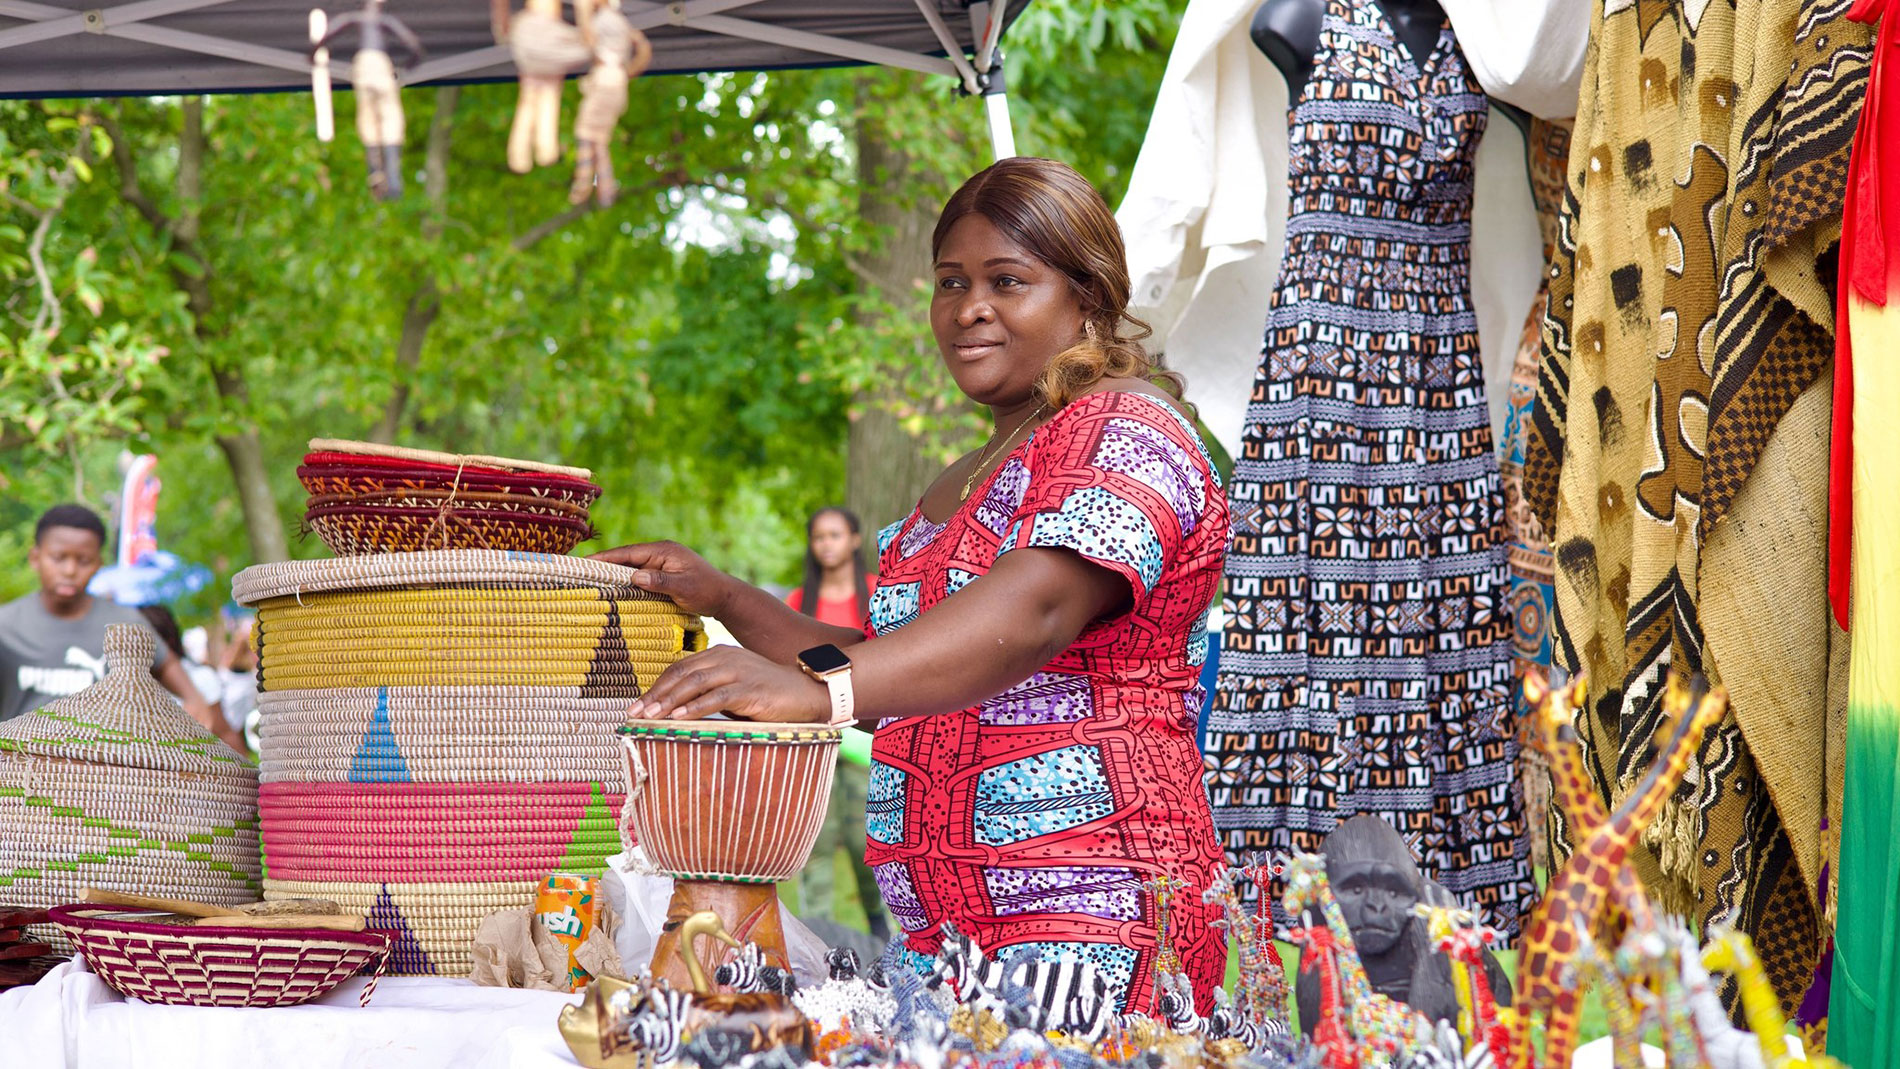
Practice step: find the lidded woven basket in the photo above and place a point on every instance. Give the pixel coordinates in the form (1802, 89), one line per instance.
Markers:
(117, 788)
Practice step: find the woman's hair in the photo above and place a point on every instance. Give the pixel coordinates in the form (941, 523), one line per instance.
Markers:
(1053, 212)
(815, 573)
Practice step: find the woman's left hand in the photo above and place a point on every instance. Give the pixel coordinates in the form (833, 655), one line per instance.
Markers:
(729, 679)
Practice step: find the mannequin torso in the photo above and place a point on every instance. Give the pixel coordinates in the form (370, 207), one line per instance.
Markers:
(1287, 32)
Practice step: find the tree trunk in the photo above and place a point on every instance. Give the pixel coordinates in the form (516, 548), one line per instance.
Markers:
(888, 468)
(243, 451)
(262, 522)
(426, 302)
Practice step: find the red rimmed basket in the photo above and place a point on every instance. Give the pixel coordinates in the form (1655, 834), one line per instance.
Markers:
(357, 530)
(191, 965)
(336, 473)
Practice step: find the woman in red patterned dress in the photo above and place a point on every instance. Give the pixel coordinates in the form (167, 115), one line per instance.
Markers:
(1036, 634)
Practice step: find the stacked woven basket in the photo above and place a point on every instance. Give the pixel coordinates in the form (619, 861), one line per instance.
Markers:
(116, 788)
(438, 725)
(382, 499)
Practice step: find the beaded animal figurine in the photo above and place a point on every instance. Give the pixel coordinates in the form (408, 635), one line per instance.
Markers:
(1651, 963)
(1261, 994)
(1460, 937)
(1319, 953)
(1386, 1032)
(1733, 952)
(1593, 967)
(1595, 890)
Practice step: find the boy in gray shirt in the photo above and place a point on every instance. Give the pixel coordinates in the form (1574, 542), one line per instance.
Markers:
(52, 642)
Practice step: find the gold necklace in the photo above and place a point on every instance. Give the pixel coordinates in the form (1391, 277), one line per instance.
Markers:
(984, 461)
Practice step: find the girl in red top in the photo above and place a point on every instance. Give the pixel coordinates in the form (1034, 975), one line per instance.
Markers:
(836, 589)
(839, 592)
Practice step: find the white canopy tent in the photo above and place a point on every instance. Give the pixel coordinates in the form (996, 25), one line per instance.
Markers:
(67, 48)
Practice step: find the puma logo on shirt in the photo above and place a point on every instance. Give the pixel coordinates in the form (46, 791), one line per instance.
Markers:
(83, 671)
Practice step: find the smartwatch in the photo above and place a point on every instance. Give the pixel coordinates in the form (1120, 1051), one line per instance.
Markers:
(828, 665)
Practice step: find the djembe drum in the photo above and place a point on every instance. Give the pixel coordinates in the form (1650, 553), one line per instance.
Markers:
(727, 808)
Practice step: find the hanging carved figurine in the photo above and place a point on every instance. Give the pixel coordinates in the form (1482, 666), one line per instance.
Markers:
(379, 118)
(546, 50)
(620, 54)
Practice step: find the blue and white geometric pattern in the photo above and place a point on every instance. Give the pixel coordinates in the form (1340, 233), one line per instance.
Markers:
(1096, 523)
(884, 804)
(894, 606)
(1039, 795)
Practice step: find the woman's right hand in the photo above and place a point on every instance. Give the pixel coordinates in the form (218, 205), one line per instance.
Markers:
(677, 572)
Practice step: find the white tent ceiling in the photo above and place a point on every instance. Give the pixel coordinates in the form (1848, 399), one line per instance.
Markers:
(63, 48)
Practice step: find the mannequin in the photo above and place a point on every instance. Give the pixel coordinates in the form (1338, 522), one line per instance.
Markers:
(1287, 33)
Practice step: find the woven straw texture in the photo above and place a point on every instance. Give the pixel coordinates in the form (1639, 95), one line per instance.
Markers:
(439, 735)
(182, 965)
(447, 460)
(116, 788)
(381, 484)
(727, 800)
(433, 924)
(598, 640)
(438, 730)
(437, 831)
(351, 529)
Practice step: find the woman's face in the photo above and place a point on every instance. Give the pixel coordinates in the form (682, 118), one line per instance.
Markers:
(999, 314)
(832, 542)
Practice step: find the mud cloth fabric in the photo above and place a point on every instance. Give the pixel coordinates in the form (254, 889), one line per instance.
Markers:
(1032, 819)
(1677, 447)
(1864, 1004)
(1366, 660)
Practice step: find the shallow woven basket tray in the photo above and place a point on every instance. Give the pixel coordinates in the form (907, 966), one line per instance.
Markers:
(321, 446)
(187, 965)
(354, 477)
(352, 530)
(457, 499)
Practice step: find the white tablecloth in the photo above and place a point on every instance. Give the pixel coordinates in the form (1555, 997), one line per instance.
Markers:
(71, 1018)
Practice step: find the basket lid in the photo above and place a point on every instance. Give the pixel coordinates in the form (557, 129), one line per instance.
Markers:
(452, 460)
(430, 568)
(126, 719)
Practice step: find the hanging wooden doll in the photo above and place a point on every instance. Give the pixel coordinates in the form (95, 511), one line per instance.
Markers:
(379, 119)
(620, 54)
(546, 50)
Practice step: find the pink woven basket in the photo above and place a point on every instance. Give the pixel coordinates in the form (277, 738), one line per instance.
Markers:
(186, 965)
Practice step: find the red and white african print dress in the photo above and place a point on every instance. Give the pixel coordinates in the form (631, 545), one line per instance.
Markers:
(1031, 820)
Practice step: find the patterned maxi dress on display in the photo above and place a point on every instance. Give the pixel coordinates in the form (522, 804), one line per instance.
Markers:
(1032, 820)
(1366, 657)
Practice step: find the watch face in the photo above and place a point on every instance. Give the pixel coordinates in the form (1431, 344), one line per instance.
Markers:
(823, 659)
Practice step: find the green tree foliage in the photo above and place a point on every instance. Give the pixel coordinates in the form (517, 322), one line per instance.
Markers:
(202, 279)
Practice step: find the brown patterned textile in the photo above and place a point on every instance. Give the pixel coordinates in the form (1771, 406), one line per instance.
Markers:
(1688, 320)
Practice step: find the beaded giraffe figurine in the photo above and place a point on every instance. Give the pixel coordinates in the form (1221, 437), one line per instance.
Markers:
(1457, 934)
(1261, 994)
(1384, 1032)
(1595, 890)
(1593, 967)
(1161, 891)
(1651, 963)
(1319, 953)
(1733, 952)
